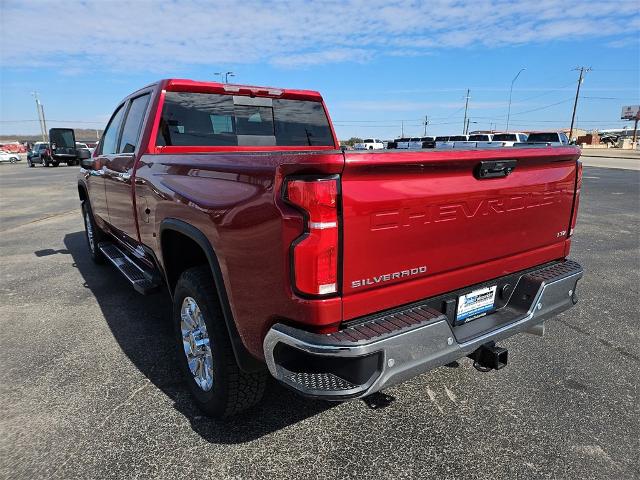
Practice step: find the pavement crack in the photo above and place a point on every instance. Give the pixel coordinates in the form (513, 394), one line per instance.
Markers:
(55, 215)
(81, 445)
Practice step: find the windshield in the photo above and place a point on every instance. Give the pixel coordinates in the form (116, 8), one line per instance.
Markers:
(368, 140)
(543, 137)
(479, 138)
(458, 138)
(505, 137)
(442, 139)
(402, 140)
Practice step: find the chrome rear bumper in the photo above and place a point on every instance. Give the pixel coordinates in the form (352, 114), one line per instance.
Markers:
(387, 349)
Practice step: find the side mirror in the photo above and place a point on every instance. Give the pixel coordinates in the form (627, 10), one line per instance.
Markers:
(83, 154)
(91, 163)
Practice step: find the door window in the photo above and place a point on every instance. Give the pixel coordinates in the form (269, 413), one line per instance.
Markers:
(133, 124)
(110, 137)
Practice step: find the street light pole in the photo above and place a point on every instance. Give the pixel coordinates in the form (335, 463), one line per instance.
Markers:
(510, 92)
(225, 75)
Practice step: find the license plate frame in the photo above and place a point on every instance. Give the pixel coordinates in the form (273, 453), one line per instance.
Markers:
(475, 304)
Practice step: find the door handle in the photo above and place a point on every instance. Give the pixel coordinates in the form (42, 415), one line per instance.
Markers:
(494, 168)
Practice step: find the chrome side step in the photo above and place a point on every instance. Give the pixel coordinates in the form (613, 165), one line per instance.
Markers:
(144, 281)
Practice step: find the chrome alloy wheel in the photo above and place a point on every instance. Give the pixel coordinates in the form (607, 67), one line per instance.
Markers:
(195, 341)
(89, 229)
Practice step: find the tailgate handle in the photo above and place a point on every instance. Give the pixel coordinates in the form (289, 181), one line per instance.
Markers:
(495, 168)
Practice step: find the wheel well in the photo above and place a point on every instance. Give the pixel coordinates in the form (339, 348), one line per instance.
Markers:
(82, 193)
(180, 252)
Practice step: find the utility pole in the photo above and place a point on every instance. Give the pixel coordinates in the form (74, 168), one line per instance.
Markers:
(575, 103)
(466, 106)
(426, 122)
(40, 119)
(466, 128)
(402, 128)
(44, 123)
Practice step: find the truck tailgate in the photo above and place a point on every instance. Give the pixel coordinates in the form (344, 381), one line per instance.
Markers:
(418, 224)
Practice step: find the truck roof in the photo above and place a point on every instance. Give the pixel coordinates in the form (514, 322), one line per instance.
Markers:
(183, 84)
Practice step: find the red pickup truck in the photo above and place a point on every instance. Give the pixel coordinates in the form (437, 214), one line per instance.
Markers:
(338, 272)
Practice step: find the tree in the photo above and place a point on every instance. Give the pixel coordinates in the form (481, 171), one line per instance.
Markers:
(351, 142)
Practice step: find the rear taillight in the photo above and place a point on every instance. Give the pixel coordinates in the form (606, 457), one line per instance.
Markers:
(315, 253)
(576, 199)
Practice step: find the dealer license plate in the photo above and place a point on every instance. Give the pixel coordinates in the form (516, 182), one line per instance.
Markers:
(475, 304)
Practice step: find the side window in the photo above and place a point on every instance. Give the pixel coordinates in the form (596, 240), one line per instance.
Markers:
(133, 124)
(564, 139)
(110, 137)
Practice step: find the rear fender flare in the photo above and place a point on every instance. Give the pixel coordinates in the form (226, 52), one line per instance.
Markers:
(245, 360)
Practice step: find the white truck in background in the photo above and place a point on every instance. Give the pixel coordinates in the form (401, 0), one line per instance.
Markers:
(369, 144)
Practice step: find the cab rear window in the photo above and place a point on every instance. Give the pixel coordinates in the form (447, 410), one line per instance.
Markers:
(208, 119)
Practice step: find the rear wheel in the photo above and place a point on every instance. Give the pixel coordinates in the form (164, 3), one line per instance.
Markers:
(55, 164)
(93, 234)
(29, 164)
(205, 354)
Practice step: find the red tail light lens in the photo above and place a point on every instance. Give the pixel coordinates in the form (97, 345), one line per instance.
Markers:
(315, 254)
(576, 202)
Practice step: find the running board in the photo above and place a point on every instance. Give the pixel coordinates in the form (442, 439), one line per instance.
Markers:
(144, 281)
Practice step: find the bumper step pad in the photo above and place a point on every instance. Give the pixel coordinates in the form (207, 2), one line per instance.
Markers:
(392, 323)
(143, 281)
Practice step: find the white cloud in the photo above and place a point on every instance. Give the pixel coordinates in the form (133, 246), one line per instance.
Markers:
(141, 35)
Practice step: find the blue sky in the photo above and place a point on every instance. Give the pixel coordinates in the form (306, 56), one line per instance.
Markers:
(376, 63)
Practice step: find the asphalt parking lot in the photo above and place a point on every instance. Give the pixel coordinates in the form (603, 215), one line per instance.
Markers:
(88, 387)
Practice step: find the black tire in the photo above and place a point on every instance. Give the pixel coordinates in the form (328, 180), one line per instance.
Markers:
(55, 164)
(29, 164)
(45, 163)
(233, 390)
(98, 235)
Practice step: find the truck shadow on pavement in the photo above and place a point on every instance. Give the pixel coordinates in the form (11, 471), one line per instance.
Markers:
(141, 326)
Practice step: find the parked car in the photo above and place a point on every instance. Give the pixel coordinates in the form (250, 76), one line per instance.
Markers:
(84, 146)
(477, 140)
(450, 140)
(506, 139)
(369, 144)
(39, 155)
(337, 272)
(401, 143)
(9, 157)
(550, 139)
(417, 143)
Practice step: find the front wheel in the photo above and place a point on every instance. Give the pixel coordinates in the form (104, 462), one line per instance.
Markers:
(205, 354)
(29, 164)
(55, 164)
